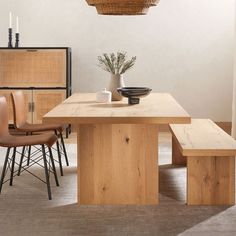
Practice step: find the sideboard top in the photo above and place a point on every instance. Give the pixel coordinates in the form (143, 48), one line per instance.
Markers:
(28, 48)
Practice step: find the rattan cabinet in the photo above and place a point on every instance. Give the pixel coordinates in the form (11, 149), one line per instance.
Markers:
(43, 74)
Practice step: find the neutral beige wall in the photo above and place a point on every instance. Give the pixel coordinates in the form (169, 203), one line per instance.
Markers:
(184, 47)
(233, 130)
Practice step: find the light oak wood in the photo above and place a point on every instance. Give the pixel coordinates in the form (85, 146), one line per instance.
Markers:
(117, 145)
(211, 181)
(32, 68)
(28, 99)
(44, 101)
(157, 108)
(177, 157)
(226, 126)
(211, 174)
(203, 138)
(117, 164)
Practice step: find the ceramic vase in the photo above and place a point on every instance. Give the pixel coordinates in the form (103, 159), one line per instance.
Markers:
(116, 81)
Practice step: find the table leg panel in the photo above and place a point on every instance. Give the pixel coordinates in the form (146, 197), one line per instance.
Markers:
(118, 164)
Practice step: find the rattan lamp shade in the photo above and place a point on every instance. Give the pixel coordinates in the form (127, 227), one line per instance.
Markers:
(122, 7)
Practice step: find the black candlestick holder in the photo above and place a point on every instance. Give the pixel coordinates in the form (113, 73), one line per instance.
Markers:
(10, 37)
(17, 40)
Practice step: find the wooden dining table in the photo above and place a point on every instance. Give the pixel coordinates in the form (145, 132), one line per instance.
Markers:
(117, 145)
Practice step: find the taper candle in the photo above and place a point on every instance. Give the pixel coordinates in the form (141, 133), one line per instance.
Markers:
(10, 19)
(17, 24)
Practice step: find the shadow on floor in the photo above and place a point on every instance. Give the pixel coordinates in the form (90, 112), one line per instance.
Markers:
(25, 209)
(169, 218)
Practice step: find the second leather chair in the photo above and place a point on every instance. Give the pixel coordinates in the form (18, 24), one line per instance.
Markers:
(21, 124)
(13, 142)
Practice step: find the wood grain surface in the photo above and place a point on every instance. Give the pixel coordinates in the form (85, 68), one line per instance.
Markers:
(177, 157)
(203, 138)
(211, 181)
(82, 108)
(117, 164)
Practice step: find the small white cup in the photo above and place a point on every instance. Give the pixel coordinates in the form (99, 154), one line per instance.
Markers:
(104, 96)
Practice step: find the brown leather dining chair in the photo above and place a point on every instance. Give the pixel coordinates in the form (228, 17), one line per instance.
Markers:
(21, 124)
(13, 142)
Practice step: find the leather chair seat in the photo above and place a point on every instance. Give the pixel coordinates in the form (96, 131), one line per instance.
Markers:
(40, 127)
(10, 141)
(21, 125)
(20, 141)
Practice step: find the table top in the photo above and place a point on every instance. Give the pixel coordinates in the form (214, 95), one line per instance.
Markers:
(82, 108)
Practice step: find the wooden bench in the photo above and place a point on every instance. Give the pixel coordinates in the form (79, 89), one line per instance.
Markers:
(210, 156)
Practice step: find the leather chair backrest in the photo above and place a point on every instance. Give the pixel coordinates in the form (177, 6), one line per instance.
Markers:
(3, 116)
(19, 113)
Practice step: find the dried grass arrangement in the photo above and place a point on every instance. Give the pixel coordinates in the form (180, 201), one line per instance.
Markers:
(116, 64)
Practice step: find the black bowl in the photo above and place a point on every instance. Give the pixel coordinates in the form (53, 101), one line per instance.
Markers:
(134, 93)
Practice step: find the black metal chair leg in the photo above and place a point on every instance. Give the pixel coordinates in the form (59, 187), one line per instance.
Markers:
(59, 155)
(21, 160)
(64, 149)
(53, 166)
(46, 173)
(29, 153)
(4, 168)
(12, 165)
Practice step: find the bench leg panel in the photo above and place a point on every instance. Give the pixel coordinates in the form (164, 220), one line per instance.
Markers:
(211, 180)
(177, 157)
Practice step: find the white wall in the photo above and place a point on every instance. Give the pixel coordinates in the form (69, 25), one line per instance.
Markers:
(233, 131)
(184, 47)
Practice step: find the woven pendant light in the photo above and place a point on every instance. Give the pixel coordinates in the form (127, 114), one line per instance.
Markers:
(122, 7)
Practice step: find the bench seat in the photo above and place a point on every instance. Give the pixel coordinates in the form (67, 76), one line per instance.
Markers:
(209, 153)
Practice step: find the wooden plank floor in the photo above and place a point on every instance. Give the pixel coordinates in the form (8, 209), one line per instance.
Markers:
(25, 210)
